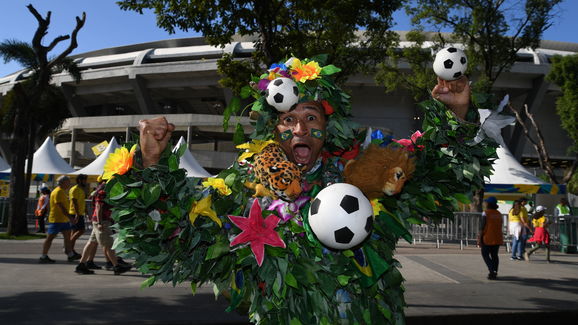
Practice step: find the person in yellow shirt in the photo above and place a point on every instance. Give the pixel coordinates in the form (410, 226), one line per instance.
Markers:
(77, 208)
(58, 221)
(517, 228)
(541, 236)
(527, 229)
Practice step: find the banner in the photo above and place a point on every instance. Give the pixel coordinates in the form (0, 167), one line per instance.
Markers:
(99, 148)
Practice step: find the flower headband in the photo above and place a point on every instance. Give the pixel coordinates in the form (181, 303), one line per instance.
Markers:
(284, 85)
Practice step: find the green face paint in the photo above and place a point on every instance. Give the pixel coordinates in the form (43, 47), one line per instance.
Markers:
(319, 134)
(286, 135)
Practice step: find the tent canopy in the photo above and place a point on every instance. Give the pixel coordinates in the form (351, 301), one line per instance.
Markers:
(511, 177)
(97, 166)
(189, 163)
(48, 161)
(3, 164)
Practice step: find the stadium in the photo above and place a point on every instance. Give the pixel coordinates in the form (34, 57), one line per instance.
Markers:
(178, 78)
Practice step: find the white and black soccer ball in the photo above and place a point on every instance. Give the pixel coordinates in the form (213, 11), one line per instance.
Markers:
(282, 93)
(450, 63)
(340, 216)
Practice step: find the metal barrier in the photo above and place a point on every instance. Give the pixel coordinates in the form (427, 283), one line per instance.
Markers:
(465, 228)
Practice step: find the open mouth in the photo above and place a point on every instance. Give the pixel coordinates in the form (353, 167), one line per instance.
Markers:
(302, 153)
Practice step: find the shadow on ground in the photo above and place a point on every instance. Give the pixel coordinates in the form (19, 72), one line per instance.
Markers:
(31, 308)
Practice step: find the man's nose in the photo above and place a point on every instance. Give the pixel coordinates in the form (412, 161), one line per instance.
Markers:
(300, 129)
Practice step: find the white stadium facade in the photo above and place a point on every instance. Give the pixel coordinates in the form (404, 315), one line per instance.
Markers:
(178, 78)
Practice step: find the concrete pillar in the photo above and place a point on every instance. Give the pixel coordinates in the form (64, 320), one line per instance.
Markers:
(190, 131)
(127, 135)
(72, 147)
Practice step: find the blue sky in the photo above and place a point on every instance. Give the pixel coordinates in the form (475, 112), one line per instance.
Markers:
(108, 26)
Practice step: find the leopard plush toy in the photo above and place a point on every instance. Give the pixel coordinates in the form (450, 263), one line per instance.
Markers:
(279, 176)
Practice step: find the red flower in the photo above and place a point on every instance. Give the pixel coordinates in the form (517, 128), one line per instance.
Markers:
(257, 232)
(327, 107)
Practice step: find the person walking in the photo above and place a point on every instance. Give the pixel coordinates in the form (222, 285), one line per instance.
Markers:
(58, 221)
(77, 208)
(541, 236)
(42, 208)
(517, 228)
(101, 234)
(491, 236)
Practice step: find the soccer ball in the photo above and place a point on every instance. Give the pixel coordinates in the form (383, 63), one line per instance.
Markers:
(282, 93)
(340, 216)
(450, 63)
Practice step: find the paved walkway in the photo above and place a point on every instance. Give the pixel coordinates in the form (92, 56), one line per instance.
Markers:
(443, 286)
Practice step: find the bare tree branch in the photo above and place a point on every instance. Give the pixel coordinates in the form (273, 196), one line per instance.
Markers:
(56, 41)
(73, 41)
(540, 146)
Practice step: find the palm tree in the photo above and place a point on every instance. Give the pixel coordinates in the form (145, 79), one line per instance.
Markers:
(33, 106)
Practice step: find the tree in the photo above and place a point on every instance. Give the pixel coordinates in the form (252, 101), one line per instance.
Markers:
(283, 29)
(564, 73)
(25, 109)
(493, 31)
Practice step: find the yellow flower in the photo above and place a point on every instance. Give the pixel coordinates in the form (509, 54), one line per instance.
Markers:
(303, 72)
(252, 148)
(118, 162)
(203, 208)
(218, 184)
(377, 207)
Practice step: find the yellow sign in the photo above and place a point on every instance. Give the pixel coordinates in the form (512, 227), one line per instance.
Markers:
(99, 148)
(4, 189)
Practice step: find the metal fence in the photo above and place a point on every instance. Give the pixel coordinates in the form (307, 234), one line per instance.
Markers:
(465, 228)
(30, 207)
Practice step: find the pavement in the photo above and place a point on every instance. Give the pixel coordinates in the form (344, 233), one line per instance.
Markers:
(445, 285)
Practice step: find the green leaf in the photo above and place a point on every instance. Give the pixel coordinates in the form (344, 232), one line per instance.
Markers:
(150, 194)
(295, 321)
(116, 190)
(173, 163)
(220, 248)
(462, 198)
(148, 282)
(343, 279)
(245, 92)
(291, 281)
(239, 135)
(329, 70)
(193, 287)
(233, 107)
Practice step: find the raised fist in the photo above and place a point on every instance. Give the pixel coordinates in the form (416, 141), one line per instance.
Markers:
(454, 94)
(154, 137)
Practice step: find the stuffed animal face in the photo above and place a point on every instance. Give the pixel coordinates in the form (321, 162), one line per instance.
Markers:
(380, 171)
(277, 173)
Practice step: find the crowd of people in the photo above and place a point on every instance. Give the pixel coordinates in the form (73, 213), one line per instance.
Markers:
(523, 227)
(63, 210)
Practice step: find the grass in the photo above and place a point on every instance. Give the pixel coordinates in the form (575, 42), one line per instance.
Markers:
(4, 235)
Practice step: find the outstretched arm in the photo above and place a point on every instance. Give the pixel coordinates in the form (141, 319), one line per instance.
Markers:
(154, 137)
(454, 94)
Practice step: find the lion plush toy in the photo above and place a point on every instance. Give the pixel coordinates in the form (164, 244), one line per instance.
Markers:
(380, 171)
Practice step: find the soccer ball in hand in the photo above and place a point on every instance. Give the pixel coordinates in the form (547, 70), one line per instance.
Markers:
(282, 93)
(340, 216)
(450, 63)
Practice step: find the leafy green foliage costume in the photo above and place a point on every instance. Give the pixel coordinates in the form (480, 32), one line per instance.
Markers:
(181, 229)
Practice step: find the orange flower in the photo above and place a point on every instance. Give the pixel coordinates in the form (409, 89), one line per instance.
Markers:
(303, 72)
(119, 162)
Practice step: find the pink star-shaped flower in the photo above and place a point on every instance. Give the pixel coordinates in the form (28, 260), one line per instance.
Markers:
(257, 231)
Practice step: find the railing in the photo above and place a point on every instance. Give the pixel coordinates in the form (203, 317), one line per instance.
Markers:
(465, 228)
(30, 207)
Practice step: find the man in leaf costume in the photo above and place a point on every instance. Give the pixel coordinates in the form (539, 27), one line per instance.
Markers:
(258, 250)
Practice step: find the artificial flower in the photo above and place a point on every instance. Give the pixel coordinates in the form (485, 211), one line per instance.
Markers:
(257, 231)
(252, 148)
(119, 162)
(288, 210)
(327, 107)
(377, 207)
(303, 72)
(218, 184)
(409, 144)
(203, 208)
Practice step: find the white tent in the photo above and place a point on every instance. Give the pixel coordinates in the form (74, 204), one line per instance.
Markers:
(507, 170)
(97, 166)
(47, 161)
(188, 162)
(3, 164)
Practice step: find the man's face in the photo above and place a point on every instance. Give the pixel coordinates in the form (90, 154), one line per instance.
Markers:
(301, 133)
(65, 184)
